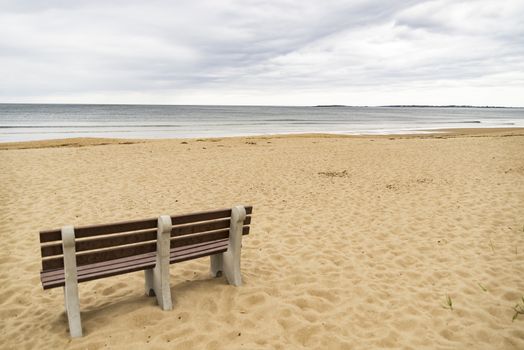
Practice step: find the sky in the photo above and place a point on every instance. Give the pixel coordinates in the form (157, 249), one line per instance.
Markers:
(254, 52)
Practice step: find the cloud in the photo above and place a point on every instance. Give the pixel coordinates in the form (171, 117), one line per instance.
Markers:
(263, 52)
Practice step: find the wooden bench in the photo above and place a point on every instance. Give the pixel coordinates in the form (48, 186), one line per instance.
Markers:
(72, 255)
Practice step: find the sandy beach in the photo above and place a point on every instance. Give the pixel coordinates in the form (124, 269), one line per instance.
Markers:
(356, 242)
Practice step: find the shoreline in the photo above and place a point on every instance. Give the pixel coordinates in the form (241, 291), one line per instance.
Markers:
(434, 133)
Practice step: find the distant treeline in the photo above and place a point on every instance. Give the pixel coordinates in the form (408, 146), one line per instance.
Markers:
(332, 106)
(420, 106)
(444, 106)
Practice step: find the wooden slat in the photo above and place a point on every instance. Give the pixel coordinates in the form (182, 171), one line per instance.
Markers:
(130, 260)
(100, 268)
(114, 253)
(119, 271)
(51, 250)
(136, 237)
(202, 237)
(99, 256)
(96, 230)
(107, 265)
(204, 245)
(197, 252)
(102, 242)
(53, 263)
(56, 278)
(200, 254)
(129, 251)
(221, 223)
(188, 229)
(50, 235)
(126, 226)
(204, 226)
(205, 216)
(94, 276)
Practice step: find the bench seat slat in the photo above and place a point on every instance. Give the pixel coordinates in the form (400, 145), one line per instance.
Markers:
(130, 260)
(55, 278)
(106, 270)
(193, 253)
(103, 274)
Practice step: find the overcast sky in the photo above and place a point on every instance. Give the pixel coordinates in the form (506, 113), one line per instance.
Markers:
(263, 52)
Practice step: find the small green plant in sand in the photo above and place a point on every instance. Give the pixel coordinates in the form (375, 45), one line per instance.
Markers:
(448, 304)
(519, 310)
(334, 173)
(482, 287)
(491, 245)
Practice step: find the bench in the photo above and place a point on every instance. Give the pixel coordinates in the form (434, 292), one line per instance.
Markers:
(73, 255)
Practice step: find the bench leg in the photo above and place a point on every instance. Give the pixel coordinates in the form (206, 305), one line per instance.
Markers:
(216, 264)
(231, 258)
(157, 279)
(72, 305)
(72, 302)
(149, 285)
(161, 286)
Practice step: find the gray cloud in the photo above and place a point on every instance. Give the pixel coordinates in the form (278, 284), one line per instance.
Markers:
(263, 52)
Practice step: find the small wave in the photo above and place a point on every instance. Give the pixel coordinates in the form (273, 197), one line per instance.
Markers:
(109, 132)
(283, 120)
(89, 126)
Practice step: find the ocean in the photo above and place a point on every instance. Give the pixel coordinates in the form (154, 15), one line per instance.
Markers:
(24, 122)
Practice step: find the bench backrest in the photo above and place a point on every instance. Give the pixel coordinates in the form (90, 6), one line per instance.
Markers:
(99, 243)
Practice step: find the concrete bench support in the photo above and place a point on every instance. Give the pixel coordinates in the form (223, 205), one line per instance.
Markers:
(216, 265)
(229, 261)
(157, 279)
(72, 301)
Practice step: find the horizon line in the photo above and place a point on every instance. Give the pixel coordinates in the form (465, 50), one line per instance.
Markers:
(248, 105)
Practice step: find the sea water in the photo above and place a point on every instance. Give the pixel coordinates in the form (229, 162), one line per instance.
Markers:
(23, 122)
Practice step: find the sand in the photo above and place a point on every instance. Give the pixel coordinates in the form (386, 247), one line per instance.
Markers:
(356, 242)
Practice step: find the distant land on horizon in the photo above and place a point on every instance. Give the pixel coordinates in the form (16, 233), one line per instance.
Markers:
(420, 106)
